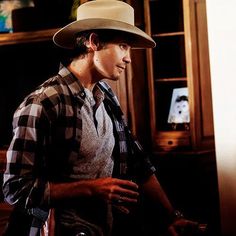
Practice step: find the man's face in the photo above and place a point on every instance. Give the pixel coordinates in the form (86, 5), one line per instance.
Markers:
(112, 59)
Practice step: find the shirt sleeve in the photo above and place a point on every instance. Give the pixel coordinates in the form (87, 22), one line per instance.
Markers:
(22, 183)
(141, 166)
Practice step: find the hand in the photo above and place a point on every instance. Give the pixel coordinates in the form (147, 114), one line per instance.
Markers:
(119, 192)
(182, 227)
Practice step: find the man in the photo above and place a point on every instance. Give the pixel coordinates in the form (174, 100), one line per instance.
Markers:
(72, 158)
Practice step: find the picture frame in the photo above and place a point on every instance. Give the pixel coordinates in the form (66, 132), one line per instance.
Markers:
(179, 108)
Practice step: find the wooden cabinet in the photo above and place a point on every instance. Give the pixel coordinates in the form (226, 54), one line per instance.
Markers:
(180, 60)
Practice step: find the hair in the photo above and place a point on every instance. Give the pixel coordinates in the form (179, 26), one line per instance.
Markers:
(80, 49)
(181, 98)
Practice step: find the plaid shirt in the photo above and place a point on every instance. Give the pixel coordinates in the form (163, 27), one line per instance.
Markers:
(47, 133)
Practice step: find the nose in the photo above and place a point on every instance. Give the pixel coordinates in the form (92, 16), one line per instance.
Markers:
(127, 57)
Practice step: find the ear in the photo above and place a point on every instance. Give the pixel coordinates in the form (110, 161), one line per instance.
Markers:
(93, 42)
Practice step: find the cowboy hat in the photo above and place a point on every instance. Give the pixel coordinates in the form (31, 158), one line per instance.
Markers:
(103, 15)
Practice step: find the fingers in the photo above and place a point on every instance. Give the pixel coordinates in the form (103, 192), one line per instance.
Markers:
(122, 209)
(185, 222)
(126, 184)
(125, 191)
(115, 190)
(122, 192)
(121, 196)
(119, 199)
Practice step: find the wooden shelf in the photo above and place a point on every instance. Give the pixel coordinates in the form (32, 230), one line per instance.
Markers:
(168, 34)
(185, 153)
(179, 60)
(26, 37)
(161, 80)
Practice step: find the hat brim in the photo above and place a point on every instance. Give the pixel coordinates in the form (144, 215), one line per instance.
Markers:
(65, 37)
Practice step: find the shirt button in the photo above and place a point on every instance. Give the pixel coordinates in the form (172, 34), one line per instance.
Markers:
(82, 94)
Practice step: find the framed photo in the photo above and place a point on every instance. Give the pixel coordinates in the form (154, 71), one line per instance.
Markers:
(179, 108)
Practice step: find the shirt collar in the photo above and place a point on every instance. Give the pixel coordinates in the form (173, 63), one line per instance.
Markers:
(76, 87)
(72, 82)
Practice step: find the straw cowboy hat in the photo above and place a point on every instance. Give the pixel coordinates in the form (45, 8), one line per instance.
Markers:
(105, 15)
